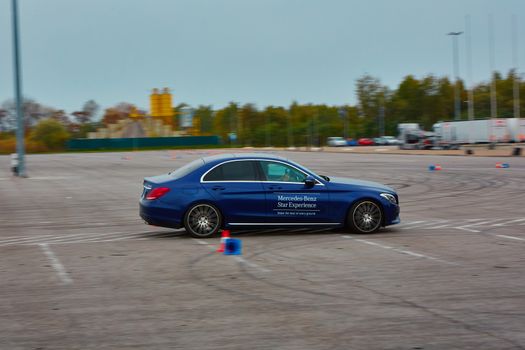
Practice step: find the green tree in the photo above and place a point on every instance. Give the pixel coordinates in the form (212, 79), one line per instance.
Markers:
(225, 121)
(249, 121)
(204, 116)
(371, 96)
(51, 133)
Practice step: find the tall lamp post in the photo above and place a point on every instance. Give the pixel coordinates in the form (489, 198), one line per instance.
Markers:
(20, 147)
(455, 56)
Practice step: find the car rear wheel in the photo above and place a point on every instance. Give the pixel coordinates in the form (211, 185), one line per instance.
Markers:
(365, 217)
(202, 220)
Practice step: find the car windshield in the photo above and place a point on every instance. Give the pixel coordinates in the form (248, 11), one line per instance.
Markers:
(186, 169)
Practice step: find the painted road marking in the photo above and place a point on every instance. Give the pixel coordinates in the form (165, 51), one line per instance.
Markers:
(511, 237)
(464, 228)
(411, 223)
(508, 222)
(59, 268)
(79, 236)
(432, 225)
(200, 241)
(401, 251)
(241, 260)
(470, 225)
(23, 240)
(467, 227)
(72, 238)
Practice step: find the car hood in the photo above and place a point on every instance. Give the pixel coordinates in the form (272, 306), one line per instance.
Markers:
(356, 182)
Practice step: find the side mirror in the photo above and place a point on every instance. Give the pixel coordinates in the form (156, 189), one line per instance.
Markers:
(309, 181)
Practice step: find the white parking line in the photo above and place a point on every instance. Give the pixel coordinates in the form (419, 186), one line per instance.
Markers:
(511, 237)
(432, 225)
(466, 229)
(241, 260)
(411, 223)
(77, 237)
(23, 240)
(59, 268)
(508, 222)
(402, 251)
(200, 241)
(93, 237)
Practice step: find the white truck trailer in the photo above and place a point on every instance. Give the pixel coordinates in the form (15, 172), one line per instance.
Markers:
(479, 131)
(517, 129)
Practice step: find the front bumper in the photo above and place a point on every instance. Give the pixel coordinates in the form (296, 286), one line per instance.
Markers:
(391, 214)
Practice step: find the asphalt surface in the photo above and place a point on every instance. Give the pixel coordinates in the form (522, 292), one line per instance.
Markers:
(80, 270)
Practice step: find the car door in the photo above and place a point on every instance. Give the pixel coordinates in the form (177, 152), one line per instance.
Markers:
(289, 200)
(237, 190)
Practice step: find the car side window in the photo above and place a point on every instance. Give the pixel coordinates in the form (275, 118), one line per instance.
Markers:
(274, 171)
(233, 171)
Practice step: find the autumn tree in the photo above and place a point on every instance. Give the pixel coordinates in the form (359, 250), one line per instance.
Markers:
(113, 114)
(51, 133)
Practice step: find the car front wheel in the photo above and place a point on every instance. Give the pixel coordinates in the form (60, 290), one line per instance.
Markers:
(365, 217)
(202, 220)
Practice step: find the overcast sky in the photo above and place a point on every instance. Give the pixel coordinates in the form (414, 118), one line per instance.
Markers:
(268, 52)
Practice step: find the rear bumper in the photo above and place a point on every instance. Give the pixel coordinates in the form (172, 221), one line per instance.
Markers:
(158, 216)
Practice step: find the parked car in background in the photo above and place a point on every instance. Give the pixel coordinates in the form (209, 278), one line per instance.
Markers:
(391, 140)
(351, 142)
(336, 141)
(386, 141)
(379, 141)
(365, 142)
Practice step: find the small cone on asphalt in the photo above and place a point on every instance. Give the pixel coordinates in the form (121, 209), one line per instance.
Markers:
(225, 236)
(438, 167)
(500, 165)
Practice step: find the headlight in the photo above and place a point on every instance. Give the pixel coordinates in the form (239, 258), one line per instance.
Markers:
(389, 197)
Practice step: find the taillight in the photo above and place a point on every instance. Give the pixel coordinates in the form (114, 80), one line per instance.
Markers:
(156, 193)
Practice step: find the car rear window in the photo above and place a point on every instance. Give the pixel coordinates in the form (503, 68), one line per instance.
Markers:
(233, 171)
(186, 169)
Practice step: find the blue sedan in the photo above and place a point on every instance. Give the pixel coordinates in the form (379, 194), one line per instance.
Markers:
(253, 191)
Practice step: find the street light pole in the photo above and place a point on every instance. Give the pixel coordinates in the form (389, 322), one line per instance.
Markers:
(493, 96)
(20, 147)
(455, 56)
(516, 85)
(470, 87)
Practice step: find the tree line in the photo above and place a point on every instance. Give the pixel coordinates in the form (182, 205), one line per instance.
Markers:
(378, 110)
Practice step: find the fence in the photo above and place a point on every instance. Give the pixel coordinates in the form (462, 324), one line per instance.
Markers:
(141, 142)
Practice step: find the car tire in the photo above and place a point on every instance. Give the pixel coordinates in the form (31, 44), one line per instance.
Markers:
(203, 220)
(365, 216)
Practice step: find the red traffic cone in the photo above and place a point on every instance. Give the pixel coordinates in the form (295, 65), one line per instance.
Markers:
(224, 237)
(438, 167)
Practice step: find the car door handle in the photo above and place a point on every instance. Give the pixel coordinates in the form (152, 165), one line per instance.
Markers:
(275, 188)
(218, 188)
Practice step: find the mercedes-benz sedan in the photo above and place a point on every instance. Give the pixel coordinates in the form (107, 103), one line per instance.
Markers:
(252, 191)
